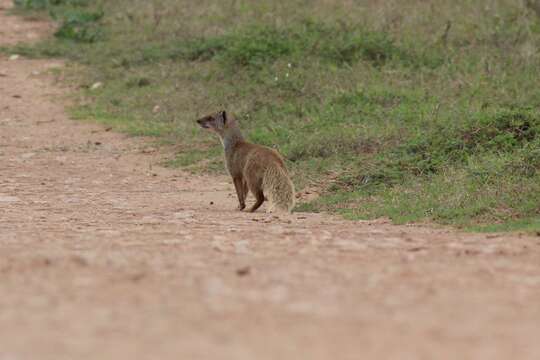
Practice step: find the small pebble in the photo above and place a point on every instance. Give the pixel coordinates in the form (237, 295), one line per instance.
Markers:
(243, 271)
(96, 86)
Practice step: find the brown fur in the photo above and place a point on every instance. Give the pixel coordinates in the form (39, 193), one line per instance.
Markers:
(254, 168)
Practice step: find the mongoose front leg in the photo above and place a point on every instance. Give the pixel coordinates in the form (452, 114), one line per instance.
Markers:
(240, 193)
(245, 188)
(259, 196)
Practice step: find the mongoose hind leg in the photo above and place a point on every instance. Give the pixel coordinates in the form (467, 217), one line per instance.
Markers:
(259, 196)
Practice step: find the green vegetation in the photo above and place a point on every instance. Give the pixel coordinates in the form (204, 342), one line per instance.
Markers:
(426, 110)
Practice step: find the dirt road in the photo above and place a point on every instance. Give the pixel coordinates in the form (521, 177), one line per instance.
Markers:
(104, 255)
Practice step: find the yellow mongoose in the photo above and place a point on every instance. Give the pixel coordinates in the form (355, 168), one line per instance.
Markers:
(256, 168)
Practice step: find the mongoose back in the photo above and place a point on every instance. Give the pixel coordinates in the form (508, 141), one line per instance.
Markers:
(254, 168)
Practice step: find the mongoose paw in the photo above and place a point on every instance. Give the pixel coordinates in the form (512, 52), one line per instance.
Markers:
(241, 207)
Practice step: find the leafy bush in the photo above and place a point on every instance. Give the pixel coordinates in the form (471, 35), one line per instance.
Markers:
(32, 4)
(504, 131)
(258, 45)
(76, 24)
(46, 4)
(80, 26)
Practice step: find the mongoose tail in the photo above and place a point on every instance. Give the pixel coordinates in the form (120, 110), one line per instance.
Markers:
(279, 189)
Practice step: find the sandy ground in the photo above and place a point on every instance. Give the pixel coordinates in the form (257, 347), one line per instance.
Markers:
(105, 255)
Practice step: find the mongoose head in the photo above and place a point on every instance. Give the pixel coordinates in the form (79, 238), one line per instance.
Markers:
(217, 122)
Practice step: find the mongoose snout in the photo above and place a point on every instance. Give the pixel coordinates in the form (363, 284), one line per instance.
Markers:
(204, 122)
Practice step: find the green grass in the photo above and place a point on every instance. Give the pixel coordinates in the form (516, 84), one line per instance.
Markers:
(432, 116)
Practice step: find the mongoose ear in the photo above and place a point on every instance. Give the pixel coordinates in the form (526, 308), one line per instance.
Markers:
(224, 116)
